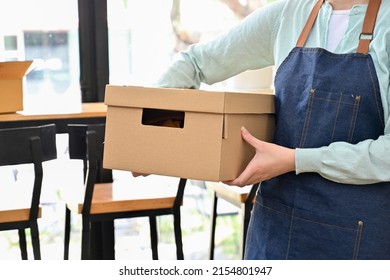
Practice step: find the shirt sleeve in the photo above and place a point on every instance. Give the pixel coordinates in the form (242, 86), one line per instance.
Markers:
(364, 163)
(248, 45)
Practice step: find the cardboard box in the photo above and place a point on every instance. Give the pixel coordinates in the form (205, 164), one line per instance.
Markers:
(11, 85)
(206, 146)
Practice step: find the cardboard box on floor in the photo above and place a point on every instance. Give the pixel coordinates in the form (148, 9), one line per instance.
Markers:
(11, 85)
(207, 147)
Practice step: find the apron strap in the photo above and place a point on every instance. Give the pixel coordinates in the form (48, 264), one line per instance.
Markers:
(309, 24)
(368, 26)
(367, 31)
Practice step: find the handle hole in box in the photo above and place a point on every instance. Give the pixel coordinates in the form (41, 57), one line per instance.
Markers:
(160, 117)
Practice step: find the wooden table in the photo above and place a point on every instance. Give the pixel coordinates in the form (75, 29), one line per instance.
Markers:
(87, 114)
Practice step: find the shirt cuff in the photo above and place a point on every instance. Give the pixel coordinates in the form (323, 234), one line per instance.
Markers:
(308, 160)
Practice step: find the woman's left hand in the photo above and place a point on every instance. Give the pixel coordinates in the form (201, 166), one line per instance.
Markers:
(269, 161)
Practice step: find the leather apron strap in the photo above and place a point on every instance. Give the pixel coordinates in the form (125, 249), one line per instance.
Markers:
(368, 26)
(309, 24)
(367, 30)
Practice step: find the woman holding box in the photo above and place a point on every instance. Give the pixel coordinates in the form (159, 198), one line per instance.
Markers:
(325, 181)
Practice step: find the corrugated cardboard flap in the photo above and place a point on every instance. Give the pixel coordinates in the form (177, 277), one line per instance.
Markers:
(249, 103)
(14, 69)
(189, 100)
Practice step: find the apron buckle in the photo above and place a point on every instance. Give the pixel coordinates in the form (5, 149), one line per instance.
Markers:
(366, 36)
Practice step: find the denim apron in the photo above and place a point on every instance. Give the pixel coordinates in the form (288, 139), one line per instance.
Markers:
(322, 97)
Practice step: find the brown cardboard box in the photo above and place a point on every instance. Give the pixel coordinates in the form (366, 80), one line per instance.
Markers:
(207, 147)
(11, 85)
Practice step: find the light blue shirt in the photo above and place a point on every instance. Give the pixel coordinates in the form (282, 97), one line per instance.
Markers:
(265, 38)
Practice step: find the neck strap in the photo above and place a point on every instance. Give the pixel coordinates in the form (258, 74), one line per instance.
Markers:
(368, 26)
(309, 24)
(367, 30)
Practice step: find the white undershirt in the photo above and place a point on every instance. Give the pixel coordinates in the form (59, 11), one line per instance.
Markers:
(338, 24)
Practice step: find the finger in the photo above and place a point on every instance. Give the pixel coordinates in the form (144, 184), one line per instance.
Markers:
(248, 137)
(135, 174)
(245, 178)
(228, 182)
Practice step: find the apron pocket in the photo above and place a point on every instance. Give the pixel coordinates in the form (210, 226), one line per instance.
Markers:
(319, 237)
(277, 232)
(338, 124)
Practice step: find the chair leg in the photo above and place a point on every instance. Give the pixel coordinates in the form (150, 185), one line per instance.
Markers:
(178, 236)
(153, 236)
(108, 240)
(22, 243)
(213, 219)
(35, 240)
(67, 233)
(85, 239)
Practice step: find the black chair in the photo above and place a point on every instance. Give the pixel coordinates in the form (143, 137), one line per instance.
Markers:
(242, 198)
(21, 210)
(98, 202)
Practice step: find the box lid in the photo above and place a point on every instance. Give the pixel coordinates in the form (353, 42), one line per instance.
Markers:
(189, 100)
(14, 69)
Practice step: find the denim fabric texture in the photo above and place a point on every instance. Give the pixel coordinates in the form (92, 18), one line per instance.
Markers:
(322, 98)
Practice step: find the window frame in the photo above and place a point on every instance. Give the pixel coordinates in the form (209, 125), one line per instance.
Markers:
(93, 44)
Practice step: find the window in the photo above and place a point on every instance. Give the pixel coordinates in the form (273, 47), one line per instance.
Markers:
(46, 32)
(144, 35)
(140, 39)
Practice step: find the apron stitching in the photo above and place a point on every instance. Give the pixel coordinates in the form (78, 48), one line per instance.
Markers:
(325, 224)
(330, 100)
(290, 233)
(337, 115)
(272, 209)
(379, 108)
(249, 233)
(303, 219)
(307, 118)
(281, 66)
(354, 118)
(357, 240)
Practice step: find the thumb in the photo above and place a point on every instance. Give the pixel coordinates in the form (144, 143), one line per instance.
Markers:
(248, 137)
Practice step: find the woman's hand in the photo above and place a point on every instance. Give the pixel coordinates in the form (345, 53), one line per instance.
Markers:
(135, 174)
(269, 161)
